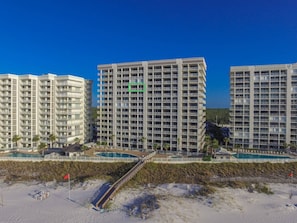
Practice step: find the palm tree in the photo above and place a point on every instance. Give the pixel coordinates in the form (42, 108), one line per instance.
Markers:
(286, 146)
(226, 141)
(143, 140)
(41, 147)
(15, 139)
(104, 144)
(77, 140)
(214, 145)
(111, 137)
(166, 147)
(155, 146)
(208, 143)
(35, 139)
(52, 138)
(293, 147)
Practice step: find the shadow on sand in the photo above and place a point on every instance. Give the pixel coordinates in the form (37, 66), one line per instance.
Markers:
(143, 206)
(100, 193)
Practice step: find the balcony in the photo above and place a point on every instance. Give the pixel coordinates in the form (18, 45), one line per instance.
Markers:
(5, 100)
(25, 118)
(5, 88)
(45, 89)
(5, 130)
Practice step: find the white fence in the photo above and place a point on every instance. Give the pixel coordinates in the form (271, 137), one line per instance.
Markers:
(199, 160)
(154, 159)
(66, 158)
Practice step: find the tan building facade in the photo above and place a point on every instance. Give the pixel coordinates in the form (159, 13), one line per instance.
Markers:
(153, 105)
(42, 106)
(263, 112)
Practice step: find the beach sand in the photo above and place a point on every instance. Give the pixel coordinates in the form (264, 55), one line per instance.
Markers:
(175, 203)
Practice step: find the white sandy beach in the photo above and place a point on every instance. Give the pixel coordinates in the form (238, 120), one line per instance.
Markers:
(175, 204)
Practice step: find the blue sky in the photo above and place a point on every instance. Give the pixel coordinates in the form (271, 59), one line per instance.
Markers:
(74, 36)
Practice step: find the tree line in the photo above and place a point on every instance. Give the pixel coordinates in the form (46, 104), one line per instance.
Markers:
(217, 115)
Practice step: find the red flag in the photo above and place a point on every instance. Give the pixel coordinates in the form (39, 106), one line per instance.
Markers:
(66, 177)
(291, 174)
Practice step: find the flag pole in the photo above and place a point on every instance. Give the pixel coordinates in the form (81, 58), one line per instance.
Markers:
(69, 186)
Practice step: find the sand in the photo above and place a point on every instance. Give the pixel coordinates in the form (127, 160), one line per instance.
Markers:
(173, 203)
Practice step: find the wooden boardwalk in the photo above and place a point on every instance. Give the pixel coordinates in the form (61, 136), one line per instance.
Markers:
(108, 195)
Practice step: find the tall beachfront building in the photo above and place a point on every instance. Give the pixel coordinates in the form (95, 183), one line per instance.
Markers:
(263, 111)
(153, 104)
(41, 106)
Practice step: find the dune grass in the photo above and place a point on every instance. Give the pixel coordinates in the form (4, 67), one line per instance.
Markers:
(204, 172)
(49, 171)
(152, 173)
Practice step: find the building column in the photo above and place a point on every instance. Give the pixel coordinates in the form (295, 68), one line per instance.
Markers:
(251, 102)
(288, 104)
(145, 102)
(114, 105)
(179, 103)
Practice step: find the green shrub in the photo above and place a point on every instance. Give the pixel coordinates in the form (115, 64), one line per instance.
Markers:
(262, 188)
(206, 158)
(206, 190)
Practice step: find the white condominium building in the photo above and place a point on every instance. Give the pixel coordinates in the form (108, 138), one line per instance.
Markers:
(153, 105)
(43, 106)
(263, 111)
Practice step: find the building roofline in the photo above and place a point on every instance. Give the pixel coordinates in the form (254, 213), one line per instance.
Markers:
(247, 67)
(163, 61)
(9, 75)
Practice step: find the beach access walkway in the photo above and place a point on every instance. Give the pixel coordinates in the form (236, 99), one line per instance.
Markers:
(108, 195)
